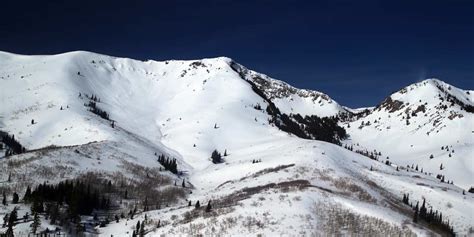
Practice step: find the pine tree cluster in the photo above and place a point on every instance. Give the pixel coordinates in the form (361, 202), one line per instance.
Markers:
(433, 218)
(9, 221)
(14, 147)
(216, 157)
(80, 197)
(168, 163)
(309, 127)
(323, 129)
(374, 155)
(94, 109)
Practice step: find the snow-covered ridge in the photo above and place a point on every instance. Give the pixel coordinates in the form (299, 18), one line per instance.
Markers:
(433, 91)
(289, 99)
(417, 124)
(126, 87)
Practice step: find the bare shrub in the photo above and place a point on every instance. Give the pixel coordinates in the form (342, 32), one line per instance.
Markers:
(346, 184)
(268, 170)
(337, 221)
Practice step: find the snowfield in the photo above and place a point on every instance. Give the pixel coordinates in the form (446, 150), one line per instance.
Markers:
(425, 122)
(187, 109)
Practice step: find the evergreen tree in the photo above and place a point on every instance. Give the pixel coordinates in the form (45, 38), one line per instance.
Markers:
(54, 214)
(27, 196)
(4, 200)
(208, 208)
(405, 199)
(415, 215)
(13, 217)
(189, 203)
(216, 157)
(145, 204)
(142, 229)
(197, 205)
(183, 184)
(36, 223)
(137, 227)
(15, 198)
(9, 232)
(11, 222)
(14, 147)
(168, 164)
(37, 206)
(423, 210)
(5, 220)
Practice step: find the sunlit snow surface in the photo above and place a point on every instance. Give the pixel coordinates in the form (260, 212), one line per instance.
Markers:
(187, 109)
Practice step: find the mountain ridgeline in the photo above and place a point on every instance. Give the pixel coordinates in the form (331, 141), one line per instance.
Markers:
(308, 127)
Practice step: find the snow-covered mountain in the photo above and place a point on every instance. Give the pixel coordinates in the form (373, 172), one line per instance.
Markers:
(82, 112)
(429, 124)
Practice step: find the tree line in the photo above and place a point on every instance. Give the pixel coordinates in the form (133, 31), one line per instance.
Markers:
(94, 109)
(433, 218)
(80, 197)
(309, 127)
(168, 163)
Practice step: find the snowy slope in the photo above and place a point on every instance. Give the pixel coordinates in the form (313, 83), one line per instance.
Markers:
(291, 100)
(415, 123)
(186, 109)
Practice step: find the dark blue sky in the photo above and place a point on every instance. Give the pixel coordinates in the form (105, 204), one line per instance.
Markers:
(356, 51)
